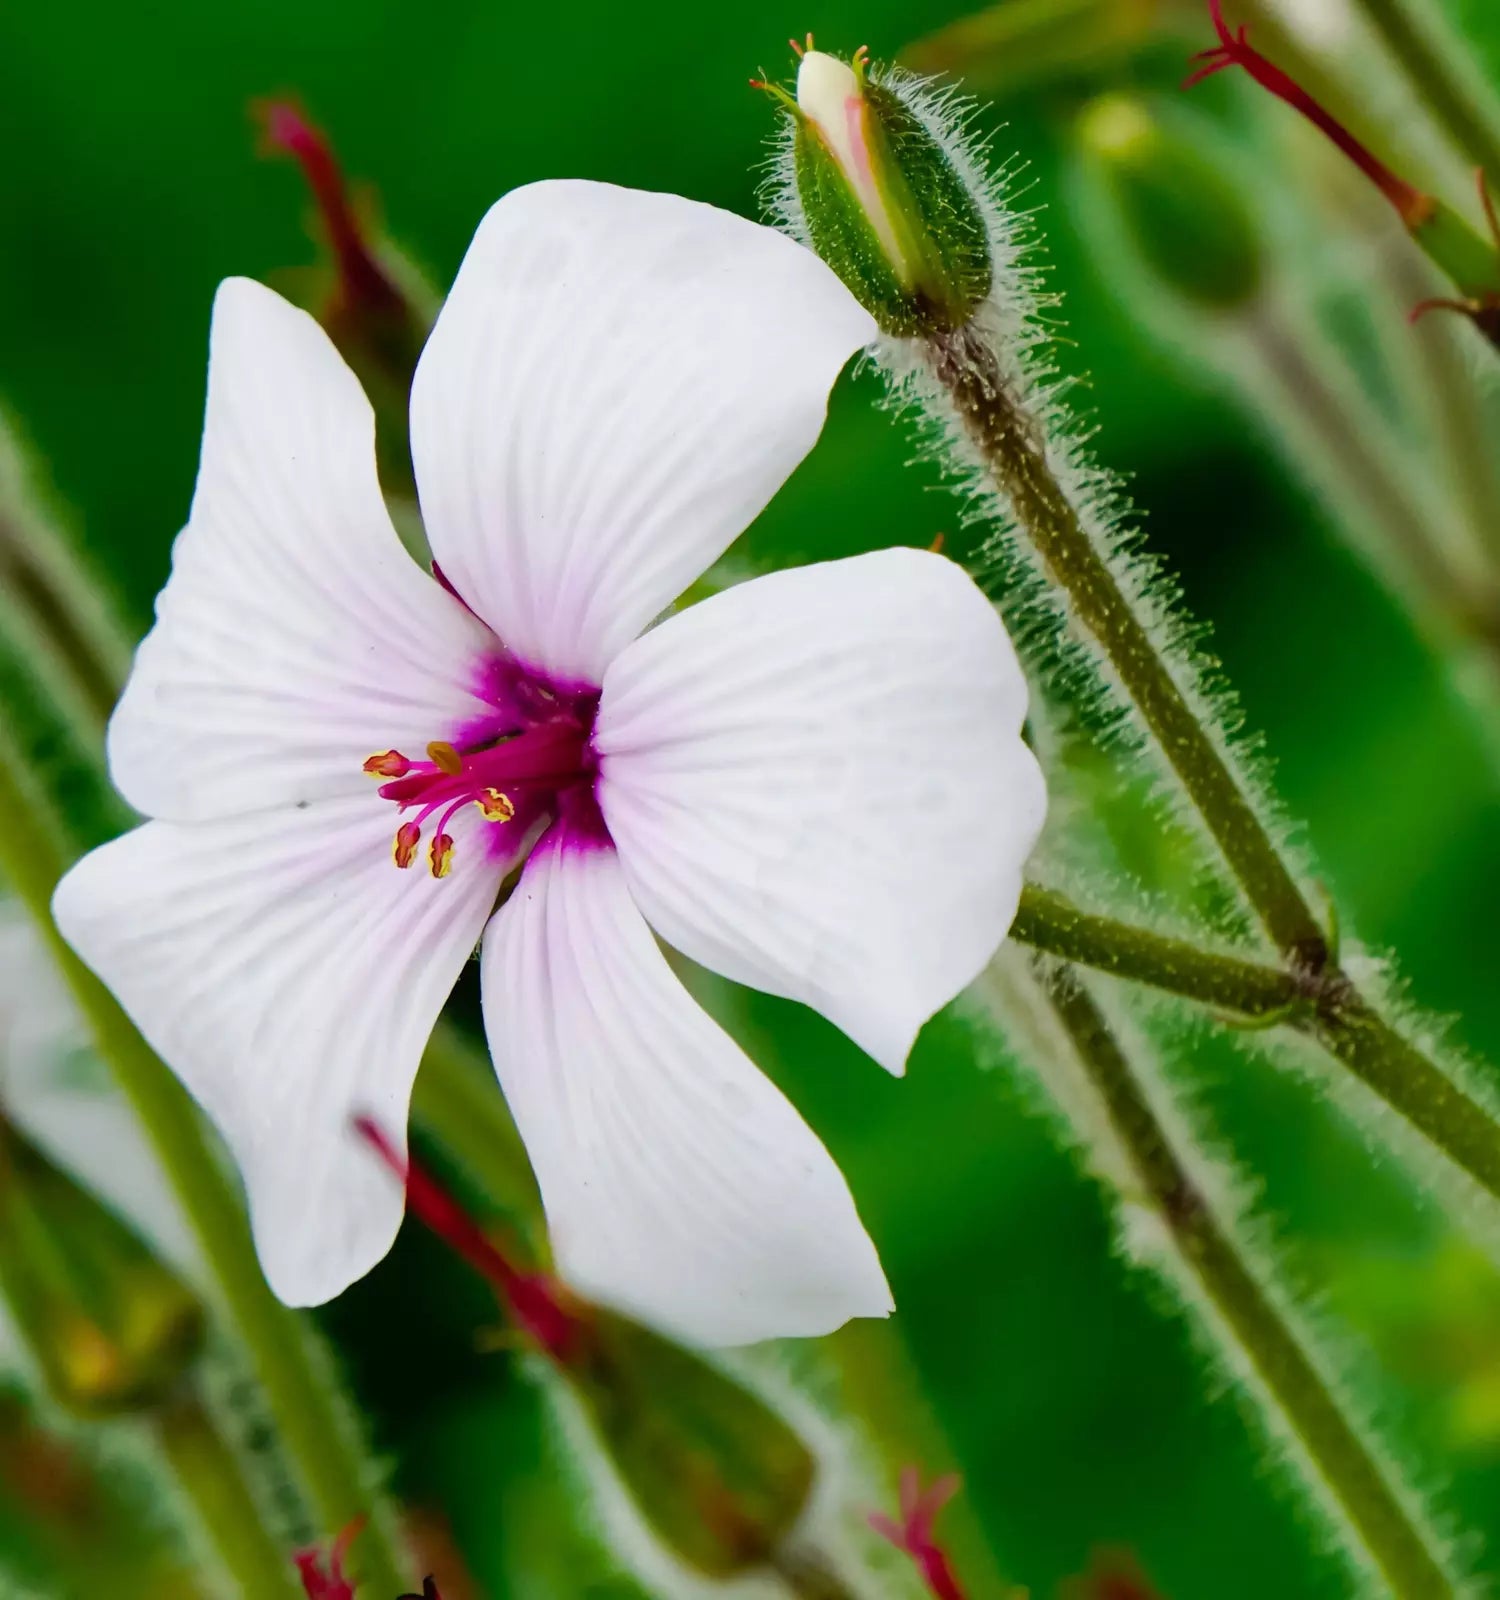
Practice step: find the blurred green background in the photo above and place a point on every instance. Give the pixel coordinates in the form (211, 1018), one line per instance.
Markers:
(129, 186)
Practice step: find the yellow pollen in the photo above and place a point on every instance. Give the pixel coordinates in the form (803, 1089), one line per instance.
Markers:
(495, 806)
(440, 854)
(404, 846)
(388, 764)
(445, 758)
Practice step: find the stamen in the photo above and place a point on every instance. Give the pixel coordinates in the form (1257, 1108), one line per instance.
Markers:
(404, 849)
(388, 764)
(440, 855)
(495, 806)
(445, 758)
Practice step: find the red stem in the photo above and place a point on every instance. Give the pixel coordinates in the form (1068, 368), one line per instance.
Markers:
(1235, 50)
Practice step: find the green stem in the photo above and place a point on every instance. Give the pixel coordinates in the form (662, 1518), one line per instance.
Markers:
(1325, 1006)
(1346, 1466)
(1008, 441)
(1463, 117)
(208, 1473)
(1343, 439)
(308, 1417)
(1050, 922)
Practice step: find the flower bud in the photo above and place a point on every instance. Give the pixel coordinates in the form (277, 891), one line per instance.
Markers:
(110, 1326)
(1187, 223)
(884, 204)
(718, 1476)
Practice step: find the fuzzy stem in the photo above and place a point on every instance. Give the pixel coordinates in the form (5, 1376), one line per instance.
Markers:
(1014, 452)
(307, 1415)
(1466, 121)
(1050, 922)
(1326, 1006)
(208, 1474)
(1246, 1316)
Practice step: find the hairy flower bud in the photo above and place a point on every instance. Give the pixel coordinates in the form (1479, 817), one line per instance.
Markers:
(111, 1327)
(884, 204)
(1188, 224)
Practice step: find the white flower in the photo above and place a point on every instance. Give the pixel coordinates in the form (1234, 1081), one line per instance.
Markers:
(813, 783)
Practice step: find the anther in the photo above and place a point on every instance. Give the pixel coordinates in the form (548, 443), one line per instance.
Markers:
(388, 764)
(440, 854)
(404, 849)
(495, 806)
(445, 758)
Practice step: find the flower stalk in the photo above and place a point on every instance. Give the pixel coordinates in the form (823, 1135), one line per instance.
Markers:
(209, 1474)
(310, 1425)
(1471, 262)
(1009, 440)
(1240, 1312)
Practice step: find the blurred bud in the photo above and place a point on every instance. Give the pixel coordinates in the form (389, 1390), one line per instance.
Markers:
(884, 203)
(110, 1326)
(1021, 44)
(719, 1477)
(716, 1474)
(1190, 226)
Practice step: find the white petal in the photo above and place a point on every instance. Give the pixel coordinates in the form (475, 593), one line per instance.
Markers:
(680, 1184)
(817, 785)
(290, 974)
(616, 386)
(295, 636)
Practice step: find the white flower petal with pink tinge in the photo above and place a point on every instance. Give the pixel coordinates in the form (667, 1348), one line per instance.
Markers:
(680, 1184)
(290, 974)
(818, 786)
(296, 636)
(616, 386)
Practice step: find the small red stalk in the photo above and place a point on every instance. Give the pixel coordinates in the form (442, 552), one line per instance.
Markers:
(914, 1533)
(1235, 50)
(533, 1299)
(362, 281)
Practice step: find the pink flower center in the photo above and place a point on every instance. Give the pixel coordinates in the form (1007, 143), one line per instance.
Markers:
(525, 765)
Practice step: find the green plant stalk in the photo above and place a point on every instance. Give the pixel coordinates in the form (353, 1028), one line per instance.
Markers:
(1009, 444)
(208, 1475)
(1325, 1006)
(1248, 1317)
(1349, 444)
(1466, 121)
(312, 1429)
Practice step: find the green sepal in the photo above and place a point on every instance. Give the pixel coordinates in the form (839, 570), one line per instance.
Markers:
(715, 1472)
(945, 270)
(111, 1327)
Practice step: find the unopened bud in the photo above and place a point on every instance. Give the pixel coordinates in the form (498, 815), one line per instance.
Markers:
(718, 1475)
(1182, 217)
(111, 1327)
(884, 203)
(715, 1472)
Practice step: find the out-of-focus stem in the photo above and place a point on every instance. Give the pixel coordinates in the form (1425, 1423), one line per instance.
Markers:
(208, 1474)
(1467, 121)
(309, 1423)
(1244, 1318)
(1342, 431)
